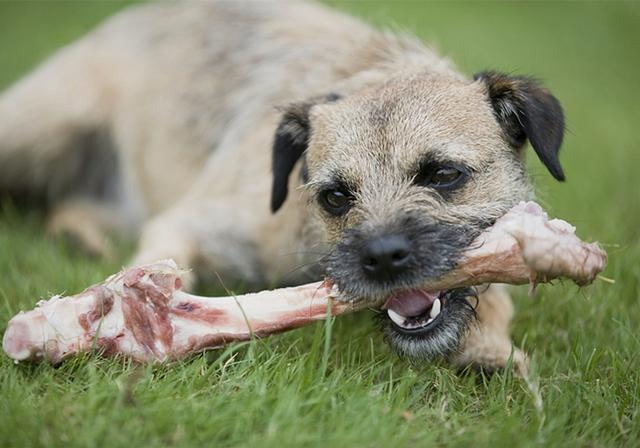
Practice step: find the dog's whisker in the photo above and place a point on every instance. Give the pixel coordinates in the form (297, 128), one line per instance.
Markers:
(302, 252)
(301, 267)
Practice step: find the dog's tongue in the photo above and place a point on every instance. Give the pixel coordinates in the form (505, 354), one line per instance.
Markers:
(411, 302)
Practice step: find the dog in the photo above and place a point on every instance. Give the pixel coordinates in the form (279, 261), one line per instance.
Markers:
(275, 142)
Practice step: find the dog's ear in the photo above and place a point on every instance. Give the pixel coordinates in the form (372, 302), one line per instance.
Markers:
(290, 143)
(525, 109)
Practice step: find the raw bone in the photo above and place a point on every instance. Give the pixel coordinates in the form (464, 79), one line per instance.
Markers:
(525, 246)
(142, 313)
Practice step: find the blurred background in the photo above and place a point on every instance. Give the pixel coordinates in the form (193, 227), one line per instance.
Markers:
(586, 53)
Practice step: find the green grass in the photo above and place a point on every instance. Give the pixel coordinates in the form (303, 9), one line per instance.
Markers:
(304, 388)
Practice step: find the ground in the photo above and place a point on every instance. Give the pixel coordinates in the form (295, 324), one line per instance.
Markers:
(338, 384)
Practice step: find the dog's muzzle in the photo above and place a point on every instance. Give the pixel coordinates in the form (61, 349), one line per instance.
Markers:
(422, 324)
(392, 269)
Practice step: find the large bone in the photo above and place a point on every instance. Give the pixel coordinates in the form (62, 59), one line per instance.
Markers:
(525, 246)
(142, 313)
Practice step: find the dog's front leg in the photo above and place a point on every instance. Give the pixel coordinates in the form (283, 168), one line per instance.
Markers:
(487, 344)
(208, 235)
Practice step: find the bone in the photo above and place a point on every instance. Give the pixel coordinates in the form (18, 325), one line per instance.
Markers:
(525, 246)
(142, 313)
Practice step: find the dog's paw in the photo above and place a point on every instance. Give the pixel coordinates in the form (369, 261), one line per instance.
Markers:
(491, 355)
(81, 234)
(517, 361)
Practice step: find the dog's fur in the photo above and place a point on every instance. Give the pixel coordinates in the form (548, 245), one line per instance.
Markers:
(161, 123)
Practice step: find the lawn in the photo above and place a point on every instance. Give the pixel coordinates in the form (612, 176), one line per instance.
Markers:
(338, 384)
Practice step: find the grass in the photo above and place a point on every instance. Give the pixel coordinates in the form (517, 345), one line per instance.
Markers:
(344, 387)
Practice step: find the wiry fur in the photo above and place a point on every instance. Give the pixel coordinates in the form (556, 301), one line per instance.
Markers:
(180, 100)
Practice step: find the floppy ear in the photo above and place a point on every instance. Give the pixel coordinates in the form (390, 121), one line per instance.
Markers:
(525, 109)
(291, 140)
(290, 143)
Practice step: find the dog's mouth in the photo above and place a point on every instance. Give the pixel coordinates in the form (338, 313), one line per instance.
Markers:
(420, 323)
(415, 310)
(423, 324)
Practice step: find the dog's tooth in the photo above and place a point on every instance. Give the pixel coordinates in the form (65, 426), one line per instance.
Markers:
(435, 309)
(398, 319)
(429, 321)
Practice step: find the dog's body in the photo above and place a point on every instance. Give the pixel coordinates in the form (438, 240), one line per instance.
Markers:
(161, 123)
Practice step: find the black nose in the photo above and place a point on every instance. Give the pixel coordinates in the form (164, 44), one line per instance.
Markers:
(386, 257)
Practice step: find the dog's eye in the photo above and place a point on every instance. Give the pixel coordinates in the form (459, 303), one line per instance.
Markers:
(336, 202)
(440, 177)
(444, 177)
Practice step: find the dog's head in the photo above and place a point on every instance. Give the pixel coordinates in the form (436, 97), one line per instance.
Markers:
(404, 176)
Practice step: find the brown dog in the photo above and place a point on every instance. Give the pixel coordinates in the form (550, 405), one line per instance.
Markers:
(386, 163)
